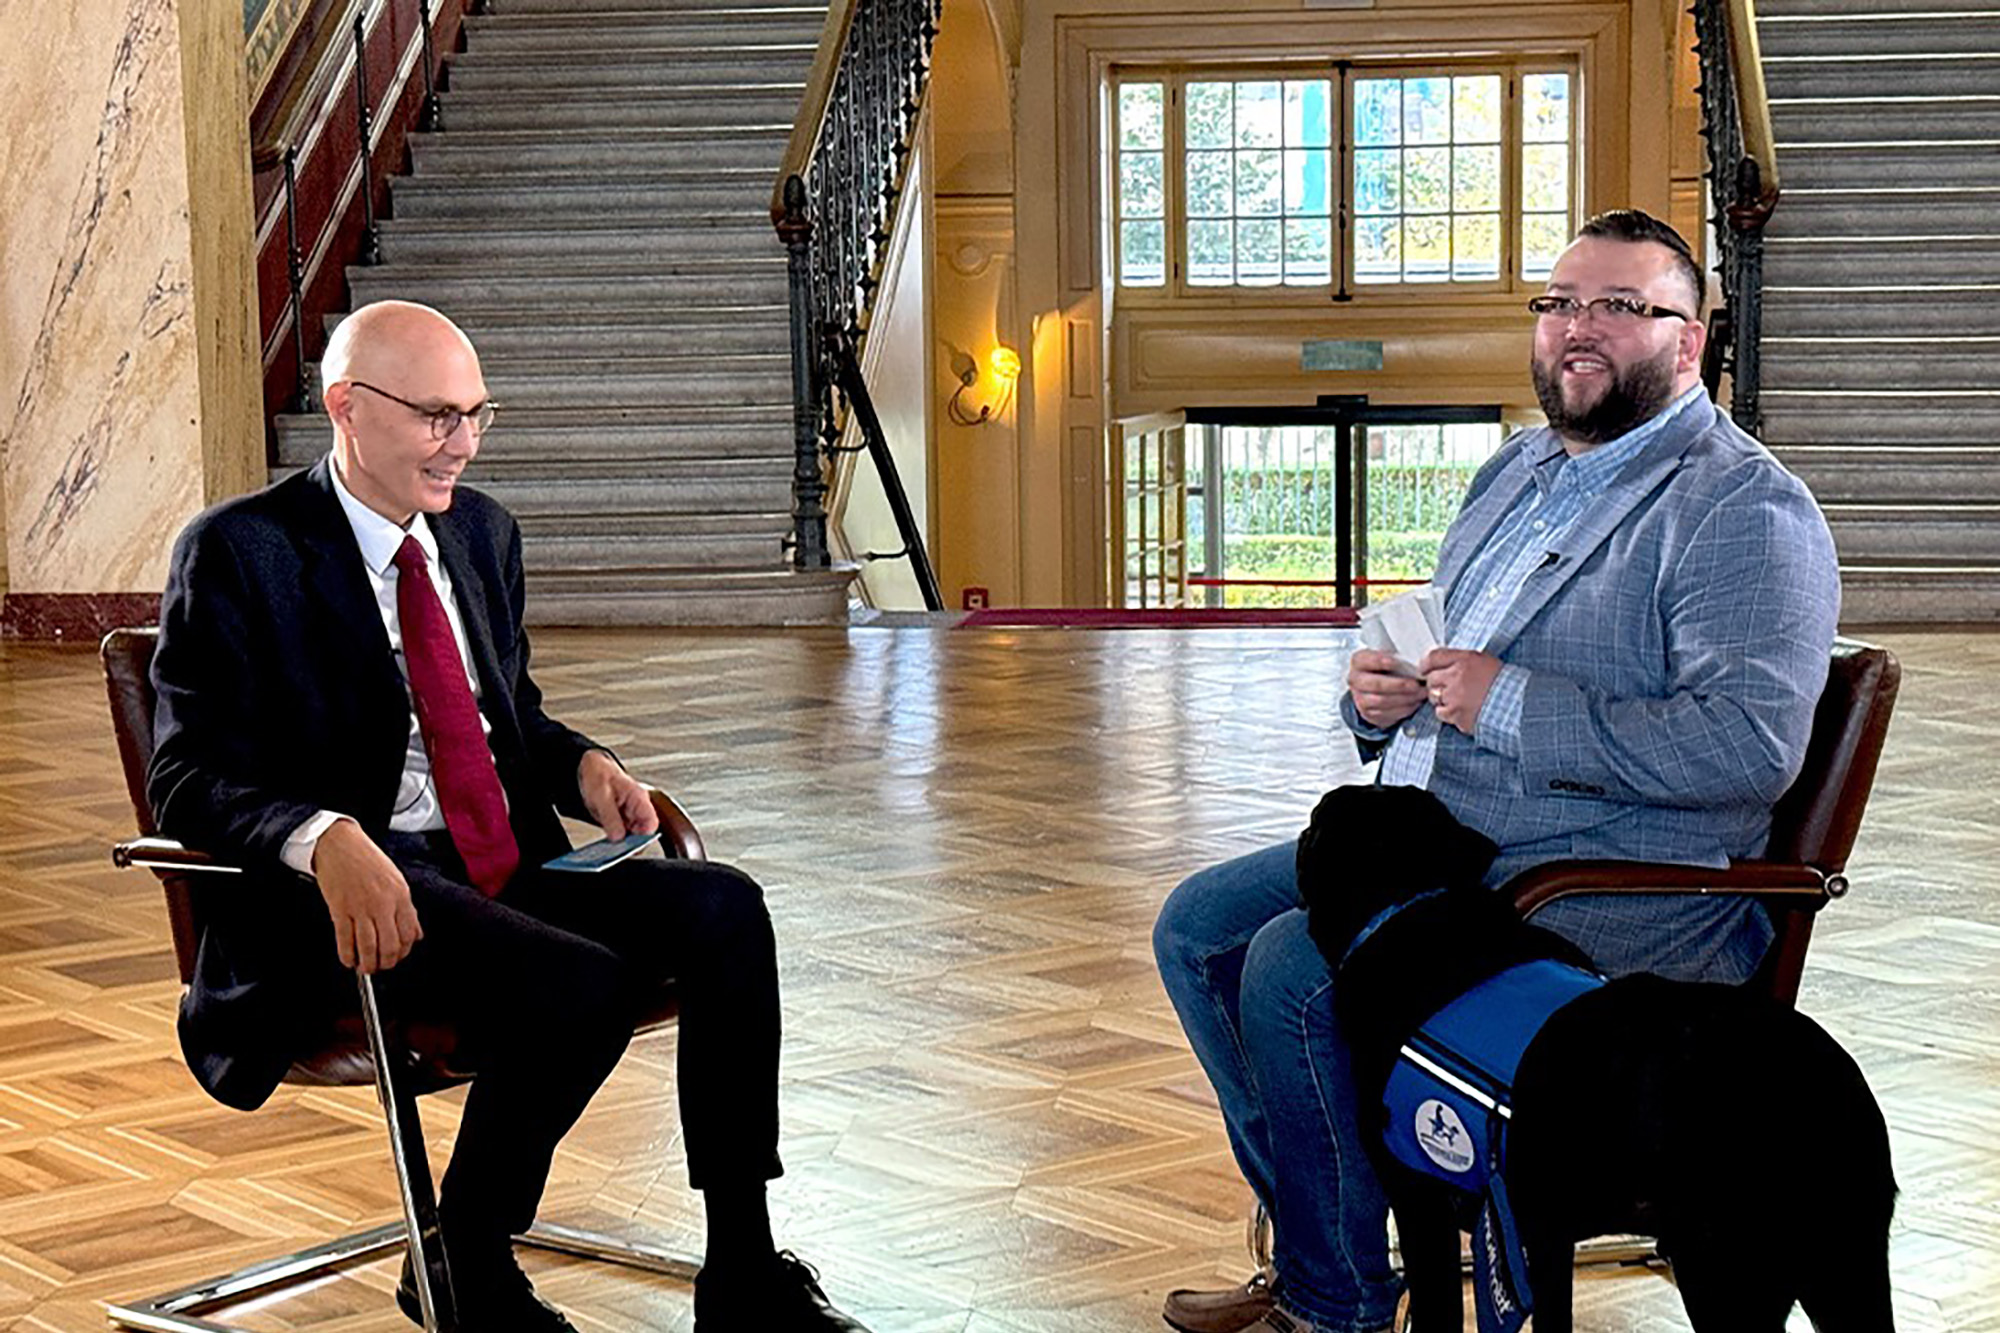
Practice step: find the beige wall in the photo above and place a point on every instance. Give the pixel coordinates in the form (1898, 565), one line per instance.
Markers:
(978, 468)
(128, 371)
(1022, 509)
(896, 361)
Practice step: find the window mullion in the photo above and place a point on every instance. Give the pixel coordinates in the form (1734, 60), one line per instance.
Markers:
(1512, 164)
(1343, 182)
(1176, 142)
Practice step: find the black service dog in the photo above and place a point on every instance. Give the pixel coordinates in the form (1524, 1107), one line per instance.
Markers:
(1729, 1127)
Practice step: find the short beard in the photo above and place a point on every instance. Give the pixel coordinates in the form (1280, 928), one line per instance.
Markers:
(1635, 396)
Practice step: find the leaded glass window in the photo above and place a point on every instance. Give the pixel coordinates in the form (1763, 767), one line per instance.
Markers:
(1460, 173)
(1427, 178)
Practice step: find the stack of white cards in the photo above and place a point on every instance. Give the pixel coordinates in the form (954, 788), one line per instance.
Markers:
(1408, 626)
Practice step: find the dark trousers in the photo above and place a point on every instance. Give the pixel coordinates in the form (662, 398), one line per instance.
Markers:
(544, 982)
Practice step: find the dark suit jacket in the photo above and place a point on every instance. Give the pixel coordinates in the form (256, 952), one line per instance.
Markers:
(279, 697)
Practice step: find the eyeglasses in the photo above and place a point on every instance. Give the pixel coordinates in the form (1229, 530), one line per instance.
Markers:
(445, 421)
(1615, 311)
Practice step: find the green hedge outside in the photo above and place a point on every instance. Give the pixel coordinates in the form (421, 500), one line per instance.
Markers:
(1275, 502)
(1391, 555)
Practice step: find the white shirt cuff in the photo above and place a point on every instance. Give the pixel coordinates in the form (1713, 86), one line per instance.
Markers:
(299, 848)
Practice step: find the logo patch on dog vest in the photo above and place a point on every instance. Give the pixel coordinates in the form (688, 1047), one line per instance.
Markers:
(1442, 1136)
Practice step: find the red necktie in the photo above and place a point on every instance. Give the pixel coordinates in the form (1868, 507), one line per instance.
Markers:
(468, 786)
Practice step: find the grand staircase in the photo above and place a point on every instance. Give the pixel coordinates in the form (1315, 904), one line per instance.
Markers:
(595, 214)
(1881, 349)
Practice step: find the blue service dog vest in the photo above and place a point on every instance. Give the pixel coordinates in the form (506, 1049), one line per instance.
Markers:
(1449, 1099)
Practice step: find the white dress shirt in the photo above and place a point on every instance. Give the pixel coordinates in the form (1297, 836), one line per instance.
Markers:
(416, 808)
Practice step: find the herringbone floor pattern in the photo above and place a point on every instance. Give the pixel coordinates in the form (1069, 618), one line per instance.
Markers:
(992, 1124)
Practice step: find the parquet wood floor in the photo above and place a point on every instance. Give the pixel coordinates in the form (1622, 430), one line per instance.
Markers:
(992, 1124)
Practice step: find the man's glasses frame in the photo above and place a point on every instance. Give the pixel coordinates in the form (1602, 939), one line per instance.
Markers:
(445, 421)
(1612, 309)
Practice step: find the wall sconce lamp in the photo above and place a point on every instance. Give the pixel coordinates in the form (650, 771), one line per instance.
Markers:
(1003, 364)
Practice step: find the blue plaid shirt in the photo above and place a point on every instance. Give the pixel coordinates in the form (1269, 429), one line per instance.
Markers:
(1477, 603)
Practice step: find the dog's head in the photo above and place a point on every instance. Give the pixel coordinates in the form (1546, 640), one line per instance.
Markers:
(1369, 848)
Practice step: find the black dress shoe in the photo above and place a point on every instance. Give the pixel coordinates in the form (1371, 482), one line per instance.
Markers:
(781, 1297)
(491, 1297)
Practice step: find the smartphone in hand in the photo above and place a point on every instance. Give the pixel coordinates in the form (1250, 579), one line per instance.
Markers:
(604, 853)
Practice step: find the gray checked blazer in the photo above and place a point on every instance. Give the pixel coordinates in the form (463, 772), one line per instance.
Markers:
(1677, 642)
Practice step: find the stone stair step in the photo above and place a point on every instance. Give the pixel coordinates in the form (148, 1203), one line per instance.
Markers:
(779, 596)
(1898, 263)
(411, 240)
(628, 438)
(509, 154)
(557, 197)
(743, 379)
(1839, 214)
(1869, 119)
(1856, 363)
(560, 7)
(1902, 594)
(1822, 417)
(1930, 76)
(1916, 533)
(1878, 35)
(685, 67)
(1890, 474)
(521, 289)
(635, 107)
(585, 542)
(584, 33)
(675, 486)
(516, 335)
(1792, 8)
(1869, 166)
(702, 486)
(1971, 310)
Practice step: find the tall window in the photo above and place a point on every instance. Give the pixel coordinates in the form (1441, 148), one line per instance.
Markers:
(1427, 178)
(1457, 173)
(1259, 198)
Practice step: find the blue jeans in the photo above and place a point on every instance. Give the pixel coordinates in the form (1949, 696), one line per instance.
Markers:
(1256, 1000)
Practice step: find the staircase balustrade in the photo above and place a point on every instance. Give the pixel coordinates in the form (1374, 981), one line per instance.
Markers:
(295, 277)
(431, 118)
(299, 137)
(371, 235)
(834, 208)
(1743, 182)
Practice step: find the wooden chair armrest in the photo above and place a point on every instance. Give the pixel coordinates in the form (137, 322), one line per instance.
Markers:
(166, 854)
(678, 835)
(1778, 883)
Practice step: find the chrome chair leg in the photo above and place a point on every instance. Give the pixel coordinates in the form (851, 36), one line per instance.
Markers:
(610, 1249)
(175, 1312)
(179, 1311)
(413, 1174)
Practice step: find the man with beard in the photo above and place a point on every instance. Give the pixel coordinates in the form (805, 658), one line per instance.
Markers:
(1639, 607)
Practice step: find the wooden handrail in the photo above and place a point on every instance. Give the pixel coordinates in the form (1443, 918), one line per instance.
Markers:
(306, 98)
(1753, 110)
(811, 117)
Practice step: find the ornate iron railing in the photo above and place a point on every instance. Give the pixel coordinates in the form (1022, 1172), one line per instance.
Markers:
(1743, 183)
(835, 208)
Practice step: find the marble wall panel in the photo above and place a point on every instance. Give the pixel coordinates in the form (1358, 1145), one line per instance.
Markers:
(100, 440)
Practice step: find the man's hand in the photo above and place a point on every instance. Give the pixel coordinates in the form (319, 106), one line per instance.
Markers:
(374, 922)
(1381, 696)
(613, 797)
(1459, 679)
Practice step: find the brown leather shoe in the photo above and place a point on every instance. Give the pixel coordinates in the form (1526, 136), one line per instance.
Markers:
(1228, 1311)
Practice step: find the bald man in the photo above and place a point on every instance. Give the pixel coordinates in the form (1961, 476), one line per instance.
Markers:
(345, 709)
